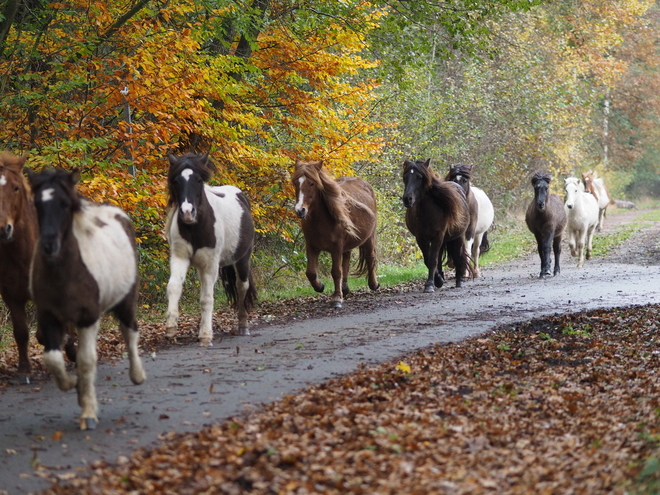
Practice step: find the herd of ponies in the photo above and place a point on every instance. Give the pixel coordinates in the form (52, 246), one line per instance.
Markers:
(76, 259)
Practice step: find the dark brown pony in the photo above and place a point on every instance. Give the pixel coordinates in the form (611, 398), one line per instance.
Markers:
(438, 216)
(18, 236)
(546, 219)
(338, 215)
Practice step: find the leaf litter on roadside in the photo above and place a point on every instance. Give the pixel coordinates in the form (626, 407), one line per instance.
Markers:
(567, 404)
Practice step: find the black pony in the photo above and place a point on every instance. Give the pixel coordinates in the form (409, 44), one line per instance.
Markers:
(546, 219)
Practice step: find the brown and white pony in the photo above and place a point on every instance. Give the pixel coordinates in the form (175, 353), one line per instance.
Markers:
(596, 186)
(210, 228)
(546, 219)
(84, 265)
(337, 216)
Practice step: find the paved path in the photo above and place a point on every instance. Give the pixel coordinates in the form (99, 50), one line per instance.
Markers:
(189, 387)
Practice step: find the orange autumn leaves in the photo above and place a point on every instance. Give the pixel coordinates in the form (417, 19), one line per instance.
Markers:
(299, 94)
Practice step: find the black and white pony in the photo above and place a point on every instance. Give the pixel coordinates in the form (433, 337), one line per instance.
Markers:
(210, 228)
(85, 264)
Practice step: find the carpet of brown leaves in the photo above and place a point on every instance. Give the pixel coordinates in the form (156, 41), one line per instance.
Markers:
(568, 404)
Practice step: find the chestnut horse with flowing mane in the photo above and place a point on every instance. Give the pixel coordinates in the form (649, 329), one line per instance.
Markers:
(18, 236)
(337, 216)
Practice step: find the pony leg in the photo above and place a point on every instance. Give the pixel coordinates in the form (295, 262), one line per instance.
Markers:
(51, 332)
(580, 253)
(572, 244)
(556, 246)
(336, 271)
(590, 240)
(431, 254)
(601, 219)
(345, 267)
(312, 275)
(207, 278)
(472, 248)
(456, 250)
(368, 249)
(131, 337)
(178, 269)
(86, 368)
(246, 293)
(544, 244)
(21, 335)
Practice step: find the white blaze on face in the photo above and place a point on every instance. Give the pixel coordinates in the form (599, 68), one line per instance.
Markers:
(47, 194)
(3, 180)
(186, 206)
(301, 196)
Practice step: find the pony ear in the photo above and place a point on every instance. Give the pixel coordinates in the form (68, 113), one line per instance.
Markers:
(427, 163)
(172, 159)
(31, 175)
(74, 176)
(318, 165)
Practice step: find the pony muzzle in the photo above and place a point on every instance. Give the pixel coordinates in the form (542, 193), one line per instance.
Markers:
(301, 212)
(188, 217)
(50, 247)
(408, 201)
(7, 232)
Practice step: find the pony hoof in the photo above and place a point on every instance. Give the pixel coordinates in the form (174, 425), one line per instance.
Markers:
(243, 331)
(22, 379)
(138, 377)
(428, 289)
(88, 423)
(205, 342)
(459, 283)
(170, 332)
(374, 287)
(319, 288)
(336, 304)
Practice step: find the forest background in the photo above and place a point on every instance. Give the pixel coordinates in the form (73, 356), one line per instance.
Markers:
(510, 86)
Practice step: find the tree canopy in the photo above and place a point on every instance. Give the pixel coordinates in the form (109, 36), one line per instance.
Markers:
(111, 87)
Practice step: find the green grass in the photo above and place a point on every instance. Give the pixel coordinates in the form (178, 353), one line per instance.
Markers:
(509, 241)
(604, 243)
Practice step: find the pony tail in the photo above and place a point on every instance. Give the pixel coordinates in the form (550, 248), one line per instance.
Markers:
(362, 267)
(485, 245)
(228, 277)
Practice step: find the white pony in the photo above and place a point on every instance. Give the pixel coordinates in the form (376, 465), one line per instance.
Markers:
(482, 214)
(583, 215)
(596, 186)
